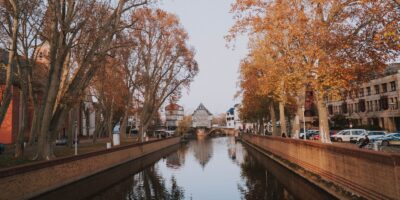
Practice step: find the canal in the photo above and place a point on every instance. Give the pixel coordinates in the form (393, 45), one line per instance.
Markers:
(208, 168)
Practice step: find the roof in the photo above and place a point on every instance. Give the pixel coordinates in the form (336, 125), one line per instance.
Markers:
(231, 111)
(173, 106)
(39, 72)
(202, 107)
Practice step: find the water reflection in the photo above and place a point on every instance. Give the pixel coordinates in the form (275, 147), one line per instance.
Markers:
(203, 150)
(259, 184)
(218, 168)
(147, 184)
(177, 159)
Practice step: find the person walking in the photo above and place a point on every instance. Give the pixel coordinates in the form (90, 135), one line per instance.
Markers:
(364, 142)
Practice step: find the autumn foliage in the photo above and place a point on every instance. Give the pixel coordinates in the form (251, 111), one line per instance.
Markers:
(123, 58)
(322, 45)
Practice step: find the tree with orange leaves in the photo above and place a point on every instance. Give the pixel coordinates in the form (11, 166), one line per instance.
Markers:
(337, 43)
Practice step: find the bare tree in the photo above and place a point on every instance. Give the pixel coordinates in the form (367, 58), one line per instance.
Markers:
(164, 61)
(10, 12)
(83, 31)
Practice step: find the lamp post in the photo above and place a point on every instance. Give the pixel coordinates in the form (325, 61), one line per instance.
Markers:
(304, 122)
(76, 137)
(392, 106)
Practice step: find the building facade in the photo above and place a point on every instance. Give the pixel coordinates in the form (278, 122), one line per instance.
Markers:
(374, 103)
(85, 117)
(201, 117)
(233, 119)
(173, 114)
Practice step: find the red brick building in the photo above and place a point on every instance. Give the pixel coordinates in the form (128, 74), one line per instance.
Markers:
(9, 127)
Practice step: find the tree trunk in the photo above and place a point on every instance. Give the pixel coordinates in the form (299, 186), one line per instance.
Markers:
(282, 118)
(262, 127)
(33, 135)
(296, 125)
(143, 131)
(35, 101)
(7, 93)
(110, 124)
(87, 119)
(145, 119)
(34, 127)
(98, 125)
(71, 129)
(122, 128)
(23, 112)
(273, 119)
(323, 119)
(49, 100)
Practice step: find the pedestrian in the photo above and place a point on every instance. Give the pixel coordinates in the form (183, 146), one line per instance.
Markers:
(283, 135)
(364, 142)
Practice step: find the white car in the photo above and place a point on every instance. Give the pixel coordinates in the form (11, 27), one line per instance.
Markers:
(345, 135)
(371, 135)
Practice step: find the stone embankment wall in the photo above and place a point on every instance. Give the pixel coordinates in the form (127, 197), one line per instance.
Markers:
(373, 175)
(33, 179)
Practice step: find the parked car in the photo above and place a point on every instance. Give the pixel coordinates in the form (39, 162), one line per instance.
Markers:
(387, 140)
(134, 131)
(164, 133)
(61, 141)
(345, 135)
(313, 135)
(371, 135)
(301, 135)
(310, 134)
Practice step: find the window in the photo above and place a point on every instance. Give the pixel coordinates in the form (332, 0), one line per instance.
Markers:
(376, 87)
(359, 132)
(346, 133)
(393, 86)
(369, 91)
(391, 104)
(361, 92)
(384, 87)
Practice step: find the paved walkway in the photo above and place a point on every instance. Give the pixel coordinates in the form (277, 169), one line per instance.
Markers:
(85, 146)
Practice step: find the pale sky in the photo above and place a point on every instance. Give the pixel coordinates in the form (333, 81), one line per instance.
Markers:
(207, 22)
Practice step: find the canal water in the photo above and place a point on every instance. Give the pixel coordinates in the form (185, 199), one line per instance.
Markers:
(203, 169)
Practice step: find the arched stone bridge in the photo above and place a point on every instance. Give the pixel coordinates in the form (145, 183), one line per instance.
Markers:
(216, 131)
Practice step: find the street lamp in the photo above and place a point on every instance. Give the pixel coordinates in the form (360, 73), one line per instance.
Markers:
(392, 106)
(76, 137)
(304, 123)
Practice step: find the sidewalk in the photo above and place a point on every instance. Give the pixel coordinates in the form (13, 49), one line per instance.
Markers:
(85, 146)
(388, 149)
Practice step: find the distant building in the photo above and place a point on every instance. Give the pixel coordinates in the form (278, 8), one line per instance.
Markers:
(85, 115)
(232, 118)
(173, 114)
(201, 117)
(374, 103)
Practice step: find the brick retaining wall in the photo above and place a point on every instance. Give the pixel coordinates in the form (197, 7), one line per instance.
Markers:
(374, 175)
(33, 179)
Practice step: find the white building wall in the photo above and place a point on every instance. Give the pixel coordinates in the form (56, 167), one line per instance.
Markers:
(201, 118)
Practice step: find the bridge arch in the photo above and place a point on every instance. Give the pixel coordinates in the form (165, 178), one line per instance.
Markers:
(221, 131)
